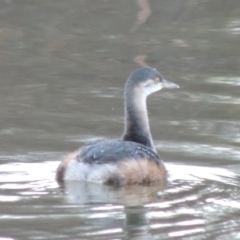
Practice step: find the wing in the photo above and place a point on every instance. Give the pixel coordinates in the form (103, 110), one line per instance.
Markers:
(105, 151)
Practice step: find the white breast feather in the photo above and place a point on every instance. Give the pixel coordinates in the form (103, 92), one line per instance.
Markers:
(78, 171)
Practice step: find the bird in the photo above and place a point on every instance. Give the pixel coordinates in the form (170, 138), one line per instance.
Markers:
(131, 159)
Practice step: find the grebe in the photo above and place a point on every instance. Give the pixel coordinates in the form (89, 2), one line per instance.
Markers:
(133, 158)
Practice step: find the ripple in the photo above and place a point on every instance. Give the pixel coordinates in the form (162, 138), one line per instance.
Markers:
(233, 27)
(203, 150)
(27, 172)
(195, 203)
(234, 81)
(9, 198)
(211, 98)
(198, 173)
(186, 232)
(104, 232)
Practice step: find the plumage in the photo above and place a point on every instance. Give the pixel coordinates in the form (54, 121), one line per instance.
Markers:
(111, 150)
(133, 158)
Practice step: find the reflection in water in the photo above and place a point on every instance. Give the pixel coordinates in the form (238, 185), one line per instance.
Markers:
(136, 224)
(184, 207)
(143, 14)
(129, 196)
(140, 60)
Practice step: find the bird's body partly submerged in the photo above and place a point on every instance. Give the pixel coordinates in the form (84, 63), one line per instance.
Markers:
(131, 159)
(113, 162)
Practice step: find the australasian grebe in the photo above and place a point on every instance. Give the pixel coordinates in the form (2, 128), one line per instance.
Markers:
(133, 158)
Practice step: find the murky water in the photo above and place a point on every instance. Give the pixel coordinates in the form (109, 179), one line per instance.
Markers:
(63, 66)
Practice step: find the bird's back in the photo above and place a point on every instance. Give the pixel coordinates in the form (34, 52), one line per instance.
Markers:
(113, 151)
(115, 162)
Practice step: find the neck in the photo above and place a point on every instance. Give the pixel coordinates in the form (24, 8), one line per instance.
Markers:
(136, 120)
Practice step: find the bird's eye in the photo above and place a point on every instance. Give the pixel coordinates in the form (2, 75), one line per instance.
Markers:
(157, 80)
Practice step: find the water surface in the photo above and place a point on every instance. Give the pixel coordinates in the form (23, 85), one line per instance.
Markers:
(63, 66)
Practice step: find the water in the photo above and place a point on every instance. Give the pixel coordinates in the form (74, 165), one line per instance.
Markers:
(63, 67)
